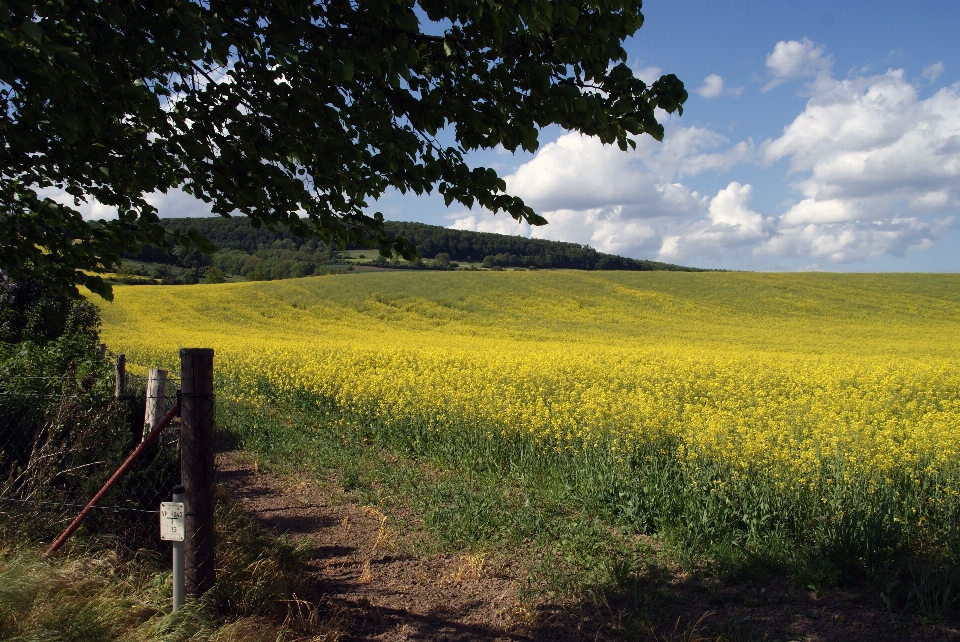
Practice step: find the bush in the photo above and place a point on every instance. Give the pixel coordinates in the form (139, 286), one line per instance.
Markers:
(302, 268)
(27, 312)
(191, 277)
(62, 432)
(215, 275)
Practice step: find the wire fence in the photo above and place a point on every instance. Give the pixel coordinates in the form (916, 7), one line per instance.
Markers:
(61, 438)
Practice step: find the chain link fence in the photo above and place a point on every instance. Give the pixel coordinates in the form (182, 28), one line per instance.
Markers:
(61, 438)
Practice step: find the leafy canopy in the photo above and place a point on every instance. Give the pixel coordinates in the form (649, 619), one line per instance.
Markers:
(291, 112)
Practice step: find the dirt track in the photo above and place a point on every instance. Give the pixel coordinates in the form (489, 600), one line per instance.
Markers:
(359, 568)
(365, 572)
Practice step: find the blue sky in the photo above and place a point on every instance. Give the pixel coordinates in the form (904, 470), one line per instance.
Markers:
(817, 136)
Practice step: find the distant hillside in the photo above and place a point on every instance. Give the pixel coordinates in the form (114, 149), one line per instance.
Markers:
(504, 250)
(279, 254)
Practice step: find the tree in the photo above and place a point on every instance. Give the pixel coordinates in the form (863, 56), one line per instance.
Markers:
(215, 275)
(293, 113)
(28, 312)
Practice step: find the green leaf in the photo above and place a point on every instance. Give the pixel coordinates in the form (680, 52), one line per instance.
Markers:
(32, 30)
(355, 95)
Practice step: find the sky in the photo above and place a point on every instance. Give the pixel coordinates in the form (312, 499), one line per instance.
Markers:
(817, 136)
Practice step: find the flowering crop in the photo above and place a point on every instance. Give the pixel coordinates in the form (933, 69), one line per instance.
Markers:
(807, 383)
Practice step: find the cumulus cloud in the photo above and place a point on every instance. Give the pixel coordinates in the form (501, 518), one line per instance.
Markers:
(608, 229)
(792, 59)
(579, 173)
(487, 223)
(713, 88)
(932, 72)
(730, 223)
(617, 202)
(876, 169)
(178, 204)
(869, 148)
(875, 164)
(649, 75)
(855, 241)
(172, 204)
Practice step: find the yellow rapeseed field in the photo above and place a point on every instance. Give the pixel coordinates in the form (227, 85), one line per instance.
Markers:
(782, 374)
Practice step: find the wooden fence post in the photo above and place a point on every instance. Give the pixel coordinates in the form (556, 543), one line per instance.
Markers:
(156, 395)
(101, 351)
(120, 369)
(196, 466)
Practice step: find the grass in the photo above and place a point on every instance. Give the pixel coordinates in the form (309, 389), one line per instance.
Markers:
(97, 590)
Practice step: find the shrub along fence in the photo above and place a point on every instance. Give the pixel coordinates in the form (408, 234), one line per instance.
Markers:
(63, 437)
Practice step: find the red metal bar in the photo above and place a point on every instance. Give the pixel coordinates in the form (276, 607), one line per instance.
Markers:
(150, 438)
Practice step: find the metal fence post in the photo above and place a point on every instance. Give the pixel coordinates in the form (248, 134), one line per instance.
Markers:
(196, 466)
(178, 567)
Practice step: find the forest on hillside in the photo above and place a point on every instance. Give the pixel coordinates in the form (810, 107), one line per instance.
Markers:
(269, 254)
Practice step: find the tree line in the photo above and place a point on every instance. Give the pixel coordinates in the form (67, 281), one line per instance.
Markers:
(269, 254)
(506, 251)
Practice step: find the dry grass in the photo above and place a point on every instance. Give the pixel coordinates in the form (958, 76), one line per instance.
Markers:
(89, 595)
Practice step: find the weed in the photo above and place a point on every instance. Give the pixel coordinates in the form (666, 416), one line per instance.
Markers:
(86, 596)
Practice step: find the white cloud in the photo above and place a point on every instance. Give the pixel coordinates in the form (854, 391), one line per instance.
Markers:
(607, 229)
(796, 59)
(614, 201)
(730, 224)
(932, 72)
(810, 210)
(874, 163)
(877, 170)
(870, 149)
(178, 204)
(713, 88)
(173, 204)
(579, 173)
(855, 241)
(649, 75)
(626, 203)
(485, 222)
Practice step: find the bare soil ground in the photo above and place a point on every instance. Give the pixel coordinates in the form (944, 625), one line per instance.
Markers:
(368, 572)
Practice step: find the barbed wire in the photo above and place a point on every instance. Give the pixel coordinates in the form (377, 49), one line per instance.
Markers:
(115, 509)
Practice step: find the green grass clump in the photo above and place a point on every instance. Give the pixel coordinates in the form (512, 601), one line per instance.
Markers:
(87, 595)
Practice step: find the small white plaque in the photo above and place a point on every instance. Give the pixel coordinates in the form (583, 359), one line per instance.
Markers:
(171, 521)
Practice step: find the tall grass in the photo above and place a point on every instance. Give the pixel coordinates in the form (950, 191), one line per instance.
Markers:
(99, 590)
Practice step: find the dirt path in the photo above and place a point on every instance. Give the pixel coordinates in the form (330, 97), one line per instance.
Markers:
(360, 568)
(363, 573)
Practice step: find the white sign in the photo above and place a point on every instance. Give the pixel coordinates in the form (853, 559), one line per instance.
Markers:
(171, 521)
